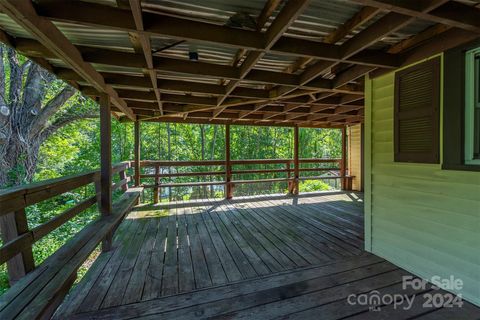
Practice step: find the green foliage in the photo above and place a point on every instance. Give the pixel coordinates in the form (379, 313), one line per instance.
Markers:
(314, 185)
(75, 148)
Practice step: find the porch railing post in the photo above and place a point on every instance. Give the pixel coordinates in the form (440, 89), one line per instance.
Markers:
(156, 189)
(228, 165)
(296, 162)
(122, 174)
(343, 163)
(289, 182)
(105, 164)
(12, 225)
(137, 153)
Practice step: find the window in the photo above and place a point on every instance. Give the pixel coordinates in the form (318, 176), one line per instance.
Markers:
(416, 116)
(472, 106)
(461, 97)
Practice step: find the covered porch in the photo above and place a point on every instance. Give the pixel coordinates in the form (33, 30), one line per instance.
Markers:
(296, 64)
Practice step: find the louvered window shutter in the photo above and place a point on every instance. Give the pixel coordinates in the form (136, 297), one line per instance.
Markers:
(416, 115)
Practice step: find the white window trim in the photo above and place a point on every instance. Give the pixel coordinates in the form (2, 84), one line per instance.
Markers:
(470, 88)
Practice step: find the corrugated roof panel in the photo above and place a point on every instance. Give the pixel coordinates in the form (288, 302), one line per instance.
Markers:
(274, 62)
(201, 79)
(90, 36)
(215, 11)
(9, 26)
(321, 18)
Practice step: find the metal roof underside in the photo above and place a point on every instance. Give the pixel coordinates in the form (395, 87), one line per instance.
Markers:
(292, 82)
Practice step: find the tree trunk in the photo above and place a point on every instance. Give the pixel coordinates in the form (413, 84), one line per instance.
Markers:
(28, 117)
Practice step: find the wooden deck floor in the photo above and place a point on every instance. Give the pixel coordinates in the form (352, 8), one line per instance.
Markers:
(252, 258)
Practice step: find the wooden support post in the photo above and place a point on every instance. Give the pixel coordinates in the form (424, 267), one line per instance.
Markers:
(12, 225)
(343, 164)
(106, 164)
(296, 162)
(289, 183)
(156, 189)
(228, 165)
(137, 153)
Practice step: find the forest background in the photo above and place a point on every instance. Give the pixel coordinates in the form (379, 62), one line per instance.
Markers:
(49, 130)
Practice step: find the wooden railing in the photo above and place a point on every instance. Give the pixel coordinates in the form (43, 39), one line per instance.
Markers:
(161, 170)
(18, 238)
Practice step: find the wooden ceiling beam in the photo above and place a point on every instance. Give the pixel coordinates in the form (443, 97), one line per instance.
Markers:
(418, 38)
(266, 13)
(452, 13)
(274, 108)
(136, 9)
(287, 15)
(175, 98)
(361, 17)
(441, 42)
(166, 85)
(351, 74)
(300, 115)
(174, 66)
(24, 14)
(163, 25)
(189, 120)
(244, 114)
(384, 26)
(446, 40)
(312, 72)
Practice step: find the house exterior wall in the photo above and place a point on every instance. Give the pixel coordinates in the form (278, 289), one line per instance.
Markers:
(355, 155)
(418, 216)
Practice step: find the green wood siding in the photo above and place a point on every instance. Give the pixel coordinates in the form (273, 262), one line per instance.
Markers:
(418, 216)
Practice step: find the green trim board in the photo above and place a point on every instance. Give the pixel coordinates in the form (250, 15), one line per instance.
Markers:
(418, 216)
(454, 108)
(368, 165)
(471, 96)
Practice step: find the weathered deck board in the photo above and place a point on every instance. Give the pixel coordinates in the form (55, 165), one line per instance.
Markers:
(248, 258)
(305, 293)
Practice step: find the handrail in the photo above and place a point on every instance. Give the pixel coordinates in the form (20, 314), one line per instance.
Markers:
(13, 201)
(173, 163)
(38, 294)
(288, 169)
(19, 197)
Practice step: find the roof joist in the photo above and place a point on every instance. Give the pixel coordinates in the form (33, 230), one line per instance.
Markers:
(451, 13)
(185, 29)
(24, 14)
(144, 40)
